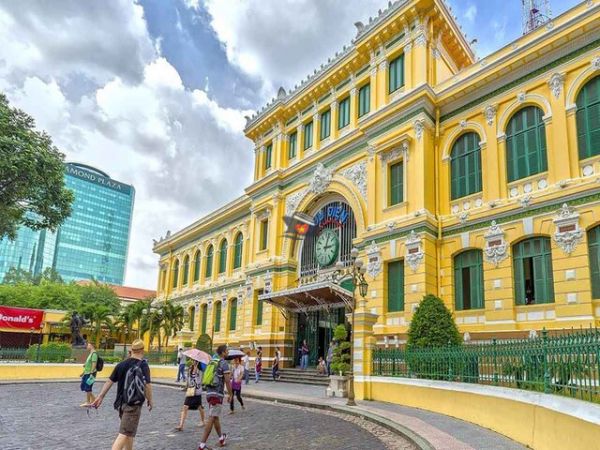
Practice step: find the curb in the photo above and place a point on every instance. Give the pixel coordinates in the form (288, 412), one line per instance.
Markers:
(390, 425)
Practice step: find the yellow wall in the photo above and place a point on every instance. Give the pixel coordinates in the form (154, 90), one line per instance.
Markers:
(46, 371)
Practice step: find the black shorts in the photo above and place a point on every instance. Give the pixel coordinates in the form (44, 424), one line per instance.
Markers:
(193, 403)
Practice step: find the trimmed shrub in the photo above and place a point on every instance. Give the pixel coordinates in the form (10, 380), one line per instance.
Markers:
(50, 352)
(204, 343)
(340, 362)
(432, 325)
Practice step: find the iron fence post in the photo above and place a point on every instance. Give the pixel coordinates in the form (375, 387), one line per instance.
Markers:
(545, 362)
(495, 357)
(37, 351)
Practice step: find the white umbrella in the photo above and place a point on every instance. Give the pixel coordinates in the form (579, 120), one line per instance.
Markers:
(235, 353)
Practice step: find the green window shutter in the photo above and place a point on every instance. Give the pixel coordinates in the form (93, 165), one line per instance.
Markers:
(395, 300)
(217, 325)
(593, 236)
(308, 135)
(396, 183)
(209, 262)
(325, 124)
(532, 264)
(468, 280)
(588, 119)
(238, 247)
(192, 313)
(204, 318)
(223, 257)
(259, 309)
(186, 268)
(232, 314)
(396, 74)
(264, 234)
(526, 144)
(175, 273)
(293, 144)
(197, 266)
(465, 166)
(344, 113)
(364, 100)
(268, 154)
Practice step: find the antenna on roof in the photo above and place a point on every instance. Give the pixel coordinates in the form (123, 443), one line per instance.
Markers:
(535, 14)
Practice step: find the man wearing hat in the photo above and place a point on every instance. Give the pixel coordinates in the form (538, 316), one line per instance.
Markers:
(129, 413)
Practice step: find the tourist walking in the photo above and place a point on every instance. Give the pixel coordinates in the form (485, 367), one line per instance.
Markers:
(237, 375)
(88, 376)
(258, 364)
(193, 395)
(329, 357)
(133, 389)
(304, 351)
(181, 363)
(246, 362)
(276, 361)
(217, 377)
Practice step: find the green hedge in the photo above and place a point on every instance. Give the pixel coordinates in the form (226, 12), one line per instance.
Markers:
(50, 352)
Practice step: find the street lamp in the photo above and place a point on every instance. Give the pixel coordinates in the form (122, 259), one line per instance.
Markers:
(357, 271)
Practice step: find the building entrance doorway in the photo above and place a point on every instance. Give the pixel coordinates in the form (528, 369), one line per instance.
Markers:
(317, 328)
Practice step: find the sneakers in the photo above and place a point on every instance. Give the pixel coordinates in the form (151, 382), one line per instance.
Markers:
(222, 440)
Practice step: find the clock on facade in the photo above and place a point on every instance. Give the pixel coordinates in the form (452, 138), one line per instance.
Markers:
(327, 247)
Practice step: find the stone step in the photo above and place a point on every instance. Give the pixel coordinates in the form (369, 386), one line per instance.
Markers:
(298, 378)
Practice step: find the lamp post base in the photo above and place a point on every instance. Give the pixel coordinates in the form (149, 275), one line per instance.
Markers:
(350, 401)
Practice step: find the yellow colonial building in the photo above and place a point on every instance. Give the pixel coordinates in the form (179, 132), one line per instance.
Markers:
(477, 180)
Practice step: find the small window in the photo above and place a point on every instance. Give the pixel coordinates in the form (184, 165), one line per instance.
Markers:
(588, 119)
(264, 234)
(204, 310)
(593, 236)
(268, 153)
(217, 324)
(259, 309)
(325, 124)
(468, 280)
(223, 257)
(209, 262)
(465, 166)
(396, 183)
(395, 293)
(396, 74)
(293, 145)
(532, 261)
(237, 251)
(232, 314)
(526, 144)
(186, 268)
(344, 113)
(364, 100)
(197, 267)
(176, 274)
(308, 135)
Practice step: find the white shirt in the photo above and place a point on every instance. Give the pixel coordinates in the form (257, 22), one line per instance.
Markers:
(246, 361)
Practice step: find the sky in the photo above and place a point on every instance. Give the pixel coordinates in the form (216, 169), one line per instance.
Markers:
(154, 92)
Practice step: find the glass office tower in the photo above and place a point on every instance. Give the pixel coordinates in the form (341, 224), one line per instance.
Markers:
(93, 242)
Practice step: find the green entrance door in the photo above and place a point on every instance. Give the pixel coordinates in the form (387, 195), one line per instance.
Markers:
(317, 328)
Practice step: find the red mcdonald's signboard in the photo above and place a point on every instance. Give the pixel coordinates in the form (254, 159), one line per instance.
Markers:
(21, 318)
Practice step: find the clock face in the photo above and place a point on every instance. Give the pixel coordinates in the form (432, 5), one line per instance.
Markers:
(327, 247)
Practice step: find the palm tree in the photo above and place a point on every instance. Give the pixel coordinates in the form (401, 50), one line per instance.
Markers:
(129, 317)
(152, 323)
(174, 319)
(99, 316)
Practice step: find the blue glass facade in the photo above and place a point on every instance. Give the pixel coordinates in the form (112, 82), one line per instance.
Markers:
(91, 244)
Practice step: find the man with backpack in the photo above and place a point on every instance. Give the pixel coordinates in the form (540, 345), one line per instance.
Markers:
(216, 378)
(133, 389)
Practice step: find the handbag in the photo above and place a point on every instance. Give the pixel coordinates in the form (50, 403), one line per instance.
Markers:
(190, 392)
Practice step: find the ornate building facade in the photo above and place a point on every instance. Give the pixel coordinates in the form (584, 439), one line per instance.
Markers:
(477, 180)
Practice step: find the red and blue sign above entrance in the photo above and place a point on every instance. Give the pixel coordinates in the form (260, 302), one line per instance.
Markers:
(333, 215)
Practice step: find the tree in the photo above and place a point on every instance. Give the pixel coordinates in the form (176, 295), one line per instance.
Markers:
(17, 276)
(173, 320)
(432, 325)
(32, 187)
(340, 362)
(49, 275)
(130, 317)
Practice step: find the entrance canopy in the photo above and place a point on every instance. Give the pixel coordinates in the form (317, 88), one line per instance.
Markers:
(310, 297)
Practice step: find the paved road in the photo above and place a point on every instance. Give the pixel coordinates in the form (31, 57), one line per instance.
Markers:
(46, 416)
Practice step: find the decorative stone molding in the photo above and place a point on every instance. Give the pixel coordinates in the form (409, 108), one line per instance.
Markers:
(224, 296)
(525, 201)
(268, 282)
(463, 217)
(568, 234)
(463, 124)
(383, 65)
(435, 53)
(321, 179)
(395, 153)
(373, 71)
(490, 113)
(556, 84)
(496, 248)
(408, 47)
(419, 126)
(248, 287)
(292, 201)
(521, 97)
(371, 151)
(374, 260)
(414, 251)
(421, 40)
(358, 175)
(596, 63)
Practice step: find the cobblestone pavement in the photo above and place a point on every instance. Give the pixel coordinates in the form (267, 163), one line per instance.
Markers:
(47, 416)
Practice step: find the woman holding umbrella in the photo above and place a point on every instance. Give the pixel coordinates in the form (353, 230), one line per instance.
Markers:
(193, 393)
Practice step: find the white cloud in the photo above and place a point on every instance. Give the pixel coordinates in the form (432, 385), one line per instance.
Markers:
(281, 42)
(184, 153)
(471, 13)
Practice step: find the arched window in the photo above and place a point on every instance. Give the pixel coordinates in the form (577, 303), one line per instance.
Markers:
(588, 119)
(186, 270)
(223, 256)
(209, 262)
(192, 316)
(526, 144)
(532, 261)
(237, 251)
(196, 266)
(468, 280)
(593, 236)
(465, 166)
(217, 325)
(204, 311)
(232, 313)
(175, 274)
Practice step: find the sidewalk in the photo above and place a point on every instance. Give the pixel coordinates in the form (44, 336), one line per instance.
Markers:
(427, 429)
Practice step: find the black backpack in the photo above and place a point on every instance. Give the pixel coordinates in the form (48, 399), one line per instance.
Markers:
(134, 389)
(99, 364)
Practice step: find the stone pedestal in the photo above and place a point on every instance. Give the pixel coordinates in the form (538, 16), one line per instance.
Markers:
(362, 344)
(79, 354)
(338, 386)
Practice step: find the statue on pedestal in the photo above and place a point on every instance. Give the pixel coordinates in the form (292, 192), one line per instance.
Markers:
(77, 323)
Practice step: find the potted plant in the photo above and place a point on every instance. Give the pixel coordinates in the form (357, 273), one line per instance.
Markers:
(340, 364)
